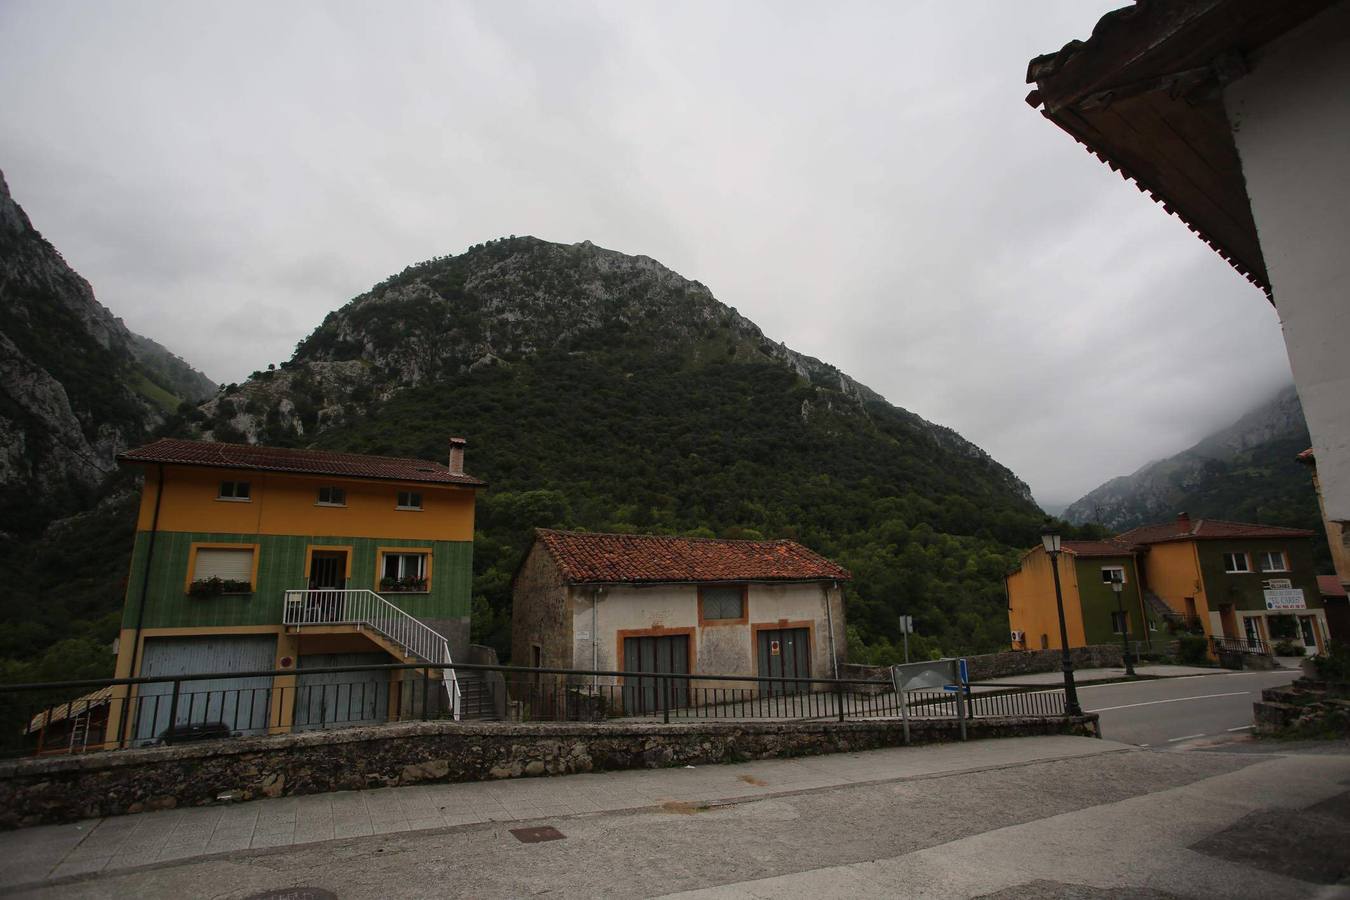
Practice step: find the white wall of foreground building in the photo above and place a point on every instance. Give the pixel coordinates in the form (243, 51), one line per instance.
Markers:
(1291, 123)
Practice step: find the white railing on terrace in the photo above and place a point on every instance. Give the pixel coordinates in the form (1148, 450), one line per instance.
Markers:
(367, 609)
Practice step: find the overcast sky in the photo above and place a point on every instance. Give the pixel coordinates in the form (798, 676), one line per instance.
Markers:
(863, 180)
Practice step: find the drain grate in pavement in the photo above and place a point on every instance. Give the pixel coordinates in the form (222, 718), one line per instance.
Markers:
(295, 893)
(536, 835)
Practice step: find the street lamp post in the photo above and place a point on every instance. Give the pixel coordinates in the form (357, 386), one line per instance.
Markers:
(1125, 632)
(1051, 541)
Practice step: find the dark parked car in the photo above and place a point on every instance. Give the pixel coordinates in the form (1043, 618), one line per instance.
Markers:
(195, 731)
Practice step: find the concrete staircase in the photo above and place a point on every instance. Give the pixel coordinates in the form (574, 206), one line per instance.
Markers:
(479, 698)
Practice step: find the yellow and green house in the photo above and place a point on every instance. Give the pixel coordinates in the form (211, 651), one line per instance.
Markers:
(1092, 613)
(1244, 585)
(255, 559)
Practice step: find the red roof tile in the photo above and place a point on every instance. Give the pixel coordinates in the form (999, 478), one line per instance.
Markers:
(1098, 548)
(309, 462)
(649, 558)
(1330, 586)
(1208, 529)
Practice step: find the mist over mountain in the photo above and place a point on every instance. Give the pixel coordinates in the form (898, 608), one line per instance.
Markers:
(1246, 471)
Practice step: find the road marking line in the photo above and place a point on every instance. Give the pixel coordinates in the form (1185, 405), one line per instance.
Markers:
(1242, 728)
(1183, 738)
(1171, 700)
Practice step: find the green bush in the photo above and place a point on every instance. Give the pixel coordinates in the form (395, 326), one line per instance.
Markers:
(1335, 666)
(1288, 648)
(1192, 649)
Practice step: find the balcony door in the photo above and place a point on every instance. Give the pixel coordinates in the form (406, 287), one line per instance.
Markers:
(327, 581)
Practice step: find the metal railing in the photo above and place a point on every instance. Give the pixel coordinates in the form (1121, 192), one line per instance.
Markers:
(134, 712)
(367, 609)
(1240, 645)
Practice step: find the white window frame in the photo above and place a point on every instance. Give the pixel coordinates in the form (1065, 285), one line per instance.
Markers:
(420, 556)
(410, 496)
(1120, 569)
(1261, 561)
(1246, 562)
(330, 502)
(233, 495)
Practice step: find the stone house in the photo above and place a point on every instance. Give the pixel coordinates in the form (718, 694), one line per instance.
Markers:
(655, 603)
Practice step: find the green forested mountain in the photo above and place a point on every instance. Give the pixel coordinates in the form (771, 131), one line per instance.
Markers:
(605, 392)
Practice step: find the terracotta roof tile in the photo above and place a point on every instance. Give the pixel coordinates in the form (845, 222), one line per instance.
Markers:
(1098, 548)
(650, 558)
(1330, 586)
(1208, 529)
(280, 459)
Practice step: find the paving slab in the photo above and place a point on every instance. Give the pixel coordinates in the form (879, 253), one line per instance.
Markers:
(34, 855)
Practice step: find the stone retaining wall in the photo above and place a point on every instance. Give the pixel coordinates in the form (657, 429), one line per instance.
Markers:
(64, 789)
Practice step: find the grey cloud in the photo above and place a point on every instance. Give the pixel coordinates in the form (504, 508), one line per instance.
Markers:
(864, 181)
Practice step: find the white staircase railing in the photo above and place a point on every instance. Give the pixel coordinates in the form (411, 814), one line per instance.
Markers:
(367, 609)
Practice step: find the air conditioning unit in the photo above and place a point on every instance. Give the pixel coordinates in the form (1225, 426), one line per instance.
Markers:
(1019, 637)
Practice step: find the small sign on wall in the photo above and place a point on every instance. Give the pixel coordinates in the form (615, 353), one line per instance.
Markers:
(1287, 598)
(1278, 584)
(774, 648)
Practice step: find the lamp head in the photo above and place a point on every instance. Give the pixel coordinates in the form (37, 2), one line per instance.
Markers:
(1050, 539)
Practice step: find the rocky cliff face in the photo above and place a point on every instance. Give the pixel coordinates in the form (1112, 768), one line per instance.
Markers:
(76, 386)
(1242, 471)
(502, 303)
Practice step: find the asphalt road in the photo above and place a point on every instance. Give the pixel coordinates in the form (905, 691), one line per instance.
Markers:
(1170, 712)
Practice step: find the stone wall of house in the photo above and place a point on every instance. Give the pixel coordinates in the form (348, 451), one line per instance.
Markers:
(64, 789)
(539, 613)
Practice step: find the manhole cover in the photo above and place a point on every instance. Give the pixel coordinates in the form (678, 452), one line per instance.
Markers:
(535, 835)
(295, 893)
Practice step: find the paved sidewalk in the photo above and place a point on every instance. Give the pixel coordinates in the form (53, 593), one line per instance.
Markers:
(31, 856)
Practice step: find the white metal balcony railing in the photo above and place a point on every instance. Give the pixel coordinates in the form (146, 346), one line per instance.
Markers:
(367, 609)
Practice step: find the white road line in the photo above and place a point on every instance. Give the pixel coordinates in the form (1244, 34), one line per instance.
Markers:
(1171, 700)
(1242, 728)
(1183, 738)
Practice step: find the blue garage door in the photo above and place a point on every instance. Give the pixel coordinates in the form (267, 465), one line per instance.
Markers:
(239, 704)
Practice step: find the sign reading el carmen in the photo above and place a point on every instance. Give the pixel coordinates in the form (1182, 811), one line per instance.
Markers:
(1285, 598)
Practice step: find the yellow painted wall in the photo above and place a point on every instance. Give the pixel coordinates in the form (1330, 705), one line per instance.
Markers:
(1031, 598)
(1172, 571)
(284, 504)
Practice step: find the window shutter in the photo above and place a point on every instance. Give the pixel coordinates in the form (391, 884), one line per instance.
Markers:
(227, 565)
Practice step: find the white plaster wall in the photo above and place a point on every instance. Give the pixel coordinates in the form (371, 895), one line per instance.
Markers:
(1291, 123)
(718, 649)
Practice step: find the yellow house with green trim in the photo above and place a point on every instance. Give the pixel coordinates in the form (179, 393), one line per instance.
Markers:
(1092, 613)
(258, 559)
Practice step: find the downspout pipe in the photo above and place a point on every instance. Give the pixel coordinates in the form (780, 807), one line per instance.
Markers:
(829, 623)
(145, 589)
(595, 638)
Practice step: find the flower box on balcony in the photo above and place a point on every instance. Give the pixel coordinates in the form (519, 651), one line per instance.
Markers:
(215, 587)
(403, 585)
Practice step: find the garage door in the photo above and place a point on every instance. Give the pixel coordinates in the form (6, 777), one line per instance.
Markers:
(335, 699)
(240, 704)
(655, 654)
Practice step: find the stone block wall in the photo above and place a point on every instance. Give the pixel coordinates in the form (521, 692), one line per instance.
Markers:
(65, 789)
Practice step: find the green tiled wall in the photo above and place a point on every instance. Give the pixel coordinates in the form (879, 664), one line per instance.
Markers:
(281, 567)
